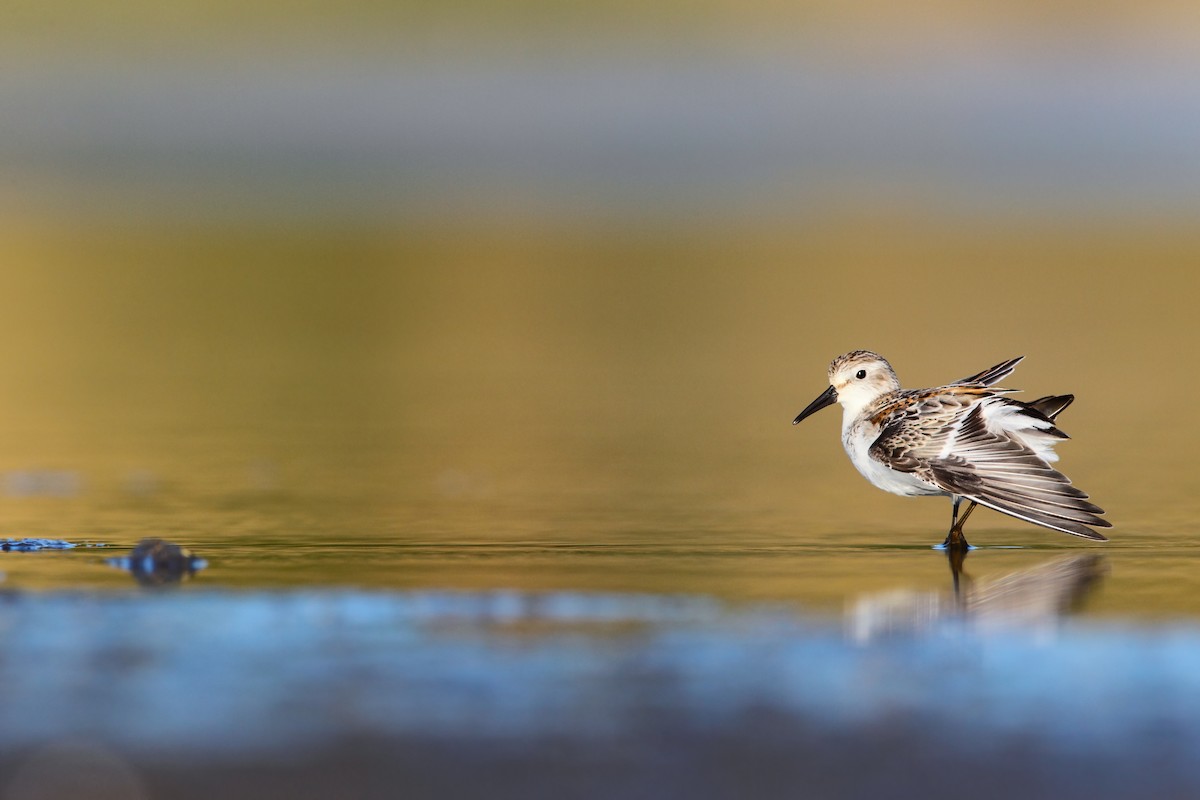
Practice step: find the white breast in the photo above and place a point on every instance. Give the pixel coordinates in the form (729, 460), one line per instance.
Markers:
(857, 439)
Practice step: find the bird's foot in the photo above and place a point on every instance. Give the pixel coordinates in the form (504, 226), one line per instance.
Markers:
(955, 541)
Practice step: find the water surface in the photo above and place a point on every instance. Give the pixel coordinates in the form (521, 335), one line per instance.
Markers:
(400, 409)
(464, 497)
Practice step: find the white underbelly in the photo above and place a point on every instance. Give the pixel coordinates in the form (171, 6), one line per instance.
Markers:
(890, 480)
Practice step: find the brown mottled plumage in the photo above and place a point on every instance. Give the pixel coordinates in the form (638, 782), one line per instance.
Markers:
(965, 440)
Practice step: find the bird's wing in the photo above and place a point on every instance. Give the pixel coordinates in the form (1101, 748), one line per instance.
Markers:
(1050, 407)
(915, 426)
(1001, 465)
(991, 375)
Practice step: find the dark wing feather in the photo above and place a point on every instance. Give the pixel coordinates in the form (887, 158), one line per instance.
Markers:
(1050, 407)
(991, 375)
(991, 469)
(1006, 475)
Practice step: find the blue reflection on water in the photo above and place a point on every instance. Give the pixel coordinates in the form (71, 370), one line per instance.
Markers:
(213, 672)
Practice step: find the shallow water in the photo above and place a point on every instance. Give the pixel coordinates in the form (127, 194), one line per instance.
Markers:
(492, 488)
(556, 410)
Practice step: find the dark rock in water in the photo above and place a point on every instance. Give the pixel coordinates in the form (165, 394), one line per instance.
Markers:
(155, 562)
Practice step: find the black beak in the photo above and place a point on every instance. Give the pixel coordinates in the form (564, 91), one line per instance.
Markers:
(827, 398)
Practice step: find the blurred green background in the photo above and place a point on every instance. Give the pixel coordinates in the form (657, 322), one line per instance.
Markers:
(464, 273)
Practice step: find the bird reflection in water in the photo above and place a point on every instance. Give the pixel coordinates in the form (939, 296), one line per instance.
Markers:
(157, 562)
(1030, 599)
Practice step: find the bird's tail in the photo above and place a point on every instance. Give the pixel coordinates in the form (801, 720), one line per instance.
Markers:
(1050, 407)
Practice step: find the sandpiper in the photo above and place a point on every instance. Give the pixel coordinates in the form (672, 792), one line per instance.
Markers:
(962, 440)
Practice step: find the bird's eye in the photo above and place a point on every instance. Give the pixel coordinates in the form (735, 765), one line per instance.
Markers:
(862, 373)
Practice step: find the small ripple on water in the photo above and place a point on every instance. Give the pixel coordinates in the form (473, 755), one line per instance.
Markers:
(33, 544)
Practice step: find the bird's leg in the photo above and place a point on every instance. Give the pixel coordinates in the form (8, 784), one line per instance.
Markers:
(963, 520)
(955, 539)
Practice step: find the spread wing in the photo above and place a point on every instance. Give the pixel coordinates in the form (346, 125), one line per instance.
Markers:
(915, 426)
(970, 442)
(991, 375)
